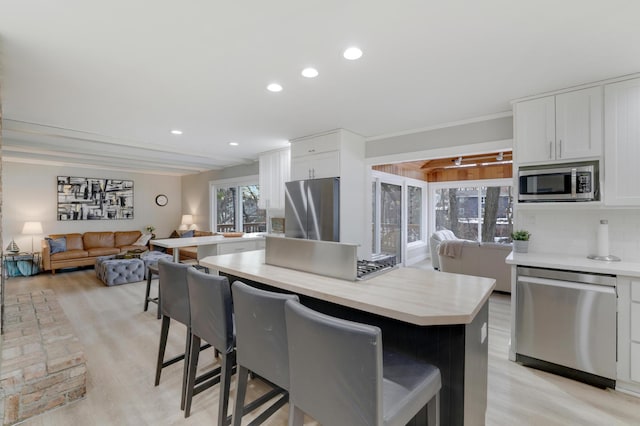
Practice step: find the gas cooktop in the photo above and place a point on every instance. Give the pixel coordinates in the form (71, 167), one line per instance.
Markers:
(378, 265)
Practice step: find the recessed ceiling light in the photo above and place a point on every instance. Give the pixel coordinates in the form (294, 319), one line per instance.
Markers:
(234, 143)
(352, 53)
(176, 132)
(274, 87)
(310, 72)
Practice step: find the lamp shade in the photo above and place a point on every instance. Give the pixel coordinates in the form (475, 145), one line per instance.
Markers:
(32, 228)
(187, 219)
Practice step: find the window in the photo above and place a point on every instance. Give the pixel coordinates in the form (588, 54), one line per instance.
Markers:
(414, 214)
(236, 208)
(398, 214)
(478, 211)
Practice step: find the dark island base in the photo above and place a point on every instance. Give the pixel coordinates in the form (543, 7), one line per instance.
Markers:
(457, 350)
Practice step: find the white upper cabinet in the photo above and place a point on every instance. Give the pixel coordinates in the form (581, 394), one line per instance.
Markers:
(622, 143)
(275, 167)
(338, 153)
(316, 166)
(535, 130)
(315, 144)
(567, 126)
(316, 157)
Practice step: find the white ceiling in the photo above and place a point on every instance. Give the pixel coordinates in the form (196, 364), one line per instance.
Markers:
(103, 83)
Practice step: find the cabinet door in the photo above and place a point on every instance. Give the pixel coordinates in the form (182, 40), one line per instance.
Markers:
(301, 168)
(622, 143)
(579, 124)
(238, 247)
(275, 169)
(535, 130)
(635, 322)
(635, 362)
(326, 165)
(315, 144)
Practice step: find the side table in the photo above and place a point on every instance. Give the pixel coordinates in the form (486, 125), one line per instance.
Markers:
(16, 265)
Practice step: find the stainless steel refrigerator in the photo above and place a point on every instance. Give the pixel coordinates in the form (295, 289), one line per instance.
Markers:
(312, 209)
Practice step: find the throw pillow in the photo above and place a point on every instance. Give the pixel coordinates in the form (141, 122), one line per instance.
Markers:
(187, 234)
(143, 240)
(174, 234)
(57, 245)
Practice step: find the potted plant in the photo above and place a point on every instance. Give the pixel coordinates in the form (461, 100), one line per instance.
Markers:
(520, 241)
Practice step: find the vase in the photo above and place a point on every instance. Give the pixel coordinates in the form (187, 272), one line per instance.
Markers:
(520, 246)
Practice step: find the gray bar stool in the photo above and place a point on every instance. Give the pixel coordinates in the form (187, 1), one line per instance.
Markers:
(211, 321)
(151, 271)
(261, 347)
(174, 304)
(341, 376)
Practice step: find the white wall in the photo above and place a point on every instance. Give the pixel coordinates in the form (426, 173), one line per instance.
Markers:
(30, 194)
(572, 230)
(489, 134)
(195, 191)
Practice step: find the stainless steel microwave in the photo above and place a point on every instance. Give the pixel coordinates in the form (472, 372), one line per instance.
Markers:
(559, 182)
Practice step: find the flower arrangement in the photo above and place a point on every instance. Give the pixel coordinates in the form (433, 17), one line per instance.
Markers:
(150, 228)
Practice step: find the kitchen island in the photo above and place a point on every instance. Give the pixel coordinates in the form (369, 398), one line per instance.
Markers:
(436, 316)
(212, 245)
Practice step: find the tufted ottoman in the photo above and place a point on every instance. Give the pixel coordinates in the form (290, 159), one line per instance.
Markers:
(113, 271)
(151, 258)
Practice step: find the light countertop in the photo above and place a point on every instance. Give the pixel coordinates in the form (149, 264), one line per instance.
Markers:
(411, 295)
(207, 240)
(574, 263)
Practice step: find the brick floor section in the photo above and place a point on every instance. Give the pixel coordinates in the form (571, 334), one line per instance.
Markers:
(42, 365)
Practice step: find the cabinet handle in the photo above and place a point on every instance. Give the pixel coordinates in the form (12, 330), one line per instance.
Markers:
(313, 173)
(550, 150)
(560, 149)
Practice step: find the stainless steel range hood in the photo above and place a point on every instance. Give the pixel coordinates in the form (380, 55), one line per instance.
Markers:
(328, 258)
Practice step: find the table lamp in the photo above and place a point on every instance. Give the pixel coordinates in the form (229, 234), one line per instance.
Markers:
(187, 221)
(32, 228)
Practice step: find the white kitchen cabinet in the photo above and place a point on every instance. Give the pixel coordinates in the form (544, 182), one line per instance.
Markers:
(635, 361)
(316, 144)
(628, 289)
(567, 126)
(316, 157)
(236, 245)
(316, 166)
(338, 153)
(275, 170)
(622, 143)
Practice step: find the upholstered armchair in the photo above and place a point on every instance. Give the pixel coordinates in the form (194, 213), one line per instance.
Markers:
(434, 242)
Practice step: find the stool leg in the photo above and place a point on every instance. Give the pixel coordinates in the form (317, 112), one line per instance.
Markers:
(185, 371)
(194, 353)
(146, 296)
(243, 375)
(164, 332)
(225, 382)
(158, 309)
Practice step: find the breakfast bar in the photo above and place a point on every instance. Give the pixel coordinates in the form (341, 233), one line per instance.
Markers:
(436, 316)
(210, 245)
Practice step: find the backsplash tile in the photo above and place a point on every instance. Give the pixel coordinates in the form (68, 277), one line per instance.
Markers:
(574, 231)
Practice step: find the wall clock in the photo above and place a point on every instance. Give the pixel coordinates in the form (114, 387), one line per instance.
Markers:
(162, 200)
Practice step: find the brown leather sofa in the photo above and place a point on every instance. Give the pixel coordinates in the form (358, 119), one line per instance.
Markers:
(83, 249)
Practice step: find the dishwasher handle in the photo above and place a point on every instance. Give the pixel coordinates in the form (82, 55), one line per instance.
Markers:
(567, 284)
(573, 276)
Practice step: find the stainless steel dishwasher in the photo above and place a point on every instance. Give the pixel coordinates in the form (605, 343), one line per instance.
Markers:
(566, 323)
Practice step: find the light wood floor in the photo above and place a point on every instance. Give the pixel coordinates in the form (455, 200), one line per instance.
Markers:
(121, 346)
